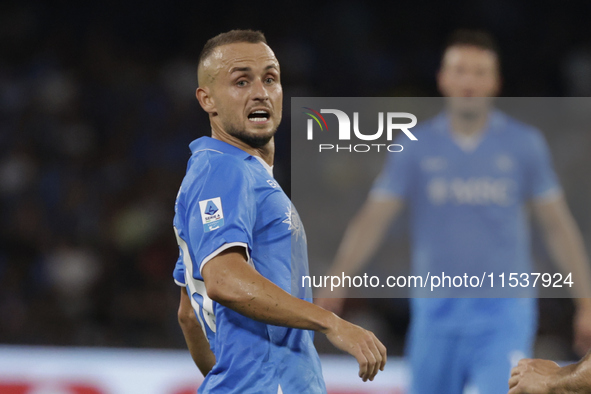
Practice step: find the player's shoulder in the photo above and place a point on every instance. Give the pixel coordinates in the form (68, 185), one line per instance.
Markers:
(211, 169)
(432, 128)
(516, 128)
(523, 138)
(214, 161)
(427, 133)
(429, 127)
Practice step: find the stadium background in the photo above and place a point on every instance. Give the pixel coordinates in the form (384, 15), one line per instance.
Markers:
(97, 109)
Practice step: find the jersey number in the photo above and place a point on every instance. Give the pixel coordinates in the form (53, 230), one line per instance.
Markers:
(204, 311)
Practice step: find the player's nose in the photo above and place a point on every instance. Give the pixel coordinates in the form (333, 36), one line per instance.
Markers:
(259, 91)
(470, 81)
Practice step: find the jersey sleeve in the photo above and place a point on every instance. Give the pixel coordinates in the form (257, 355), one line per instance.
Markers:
(396, 178)
(541, 180)
(179, 272)
(222, 214)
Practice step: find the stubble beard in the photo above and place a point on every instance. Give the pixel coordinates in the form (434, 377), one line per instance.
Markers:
(254, 140)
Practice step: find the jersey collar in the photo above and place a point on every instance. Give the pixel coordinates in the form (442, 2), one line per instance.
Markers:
(208, 143)
(495, 123)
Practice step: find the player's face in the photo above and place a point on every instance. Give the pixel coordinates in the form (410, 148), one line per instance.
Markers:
(247, 92)
(467, 72)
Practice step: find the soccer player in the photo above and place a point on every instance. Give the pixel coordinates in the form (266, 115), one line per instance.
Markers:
(467, 181)
(241, 241)
(547, 377)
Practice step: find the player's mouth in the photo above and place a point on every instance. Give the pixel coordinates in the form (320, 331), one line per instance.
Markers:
(259, 116)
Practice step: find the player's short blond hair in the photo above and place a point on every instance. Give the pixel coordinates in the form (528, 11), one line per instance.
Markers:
(231, 37)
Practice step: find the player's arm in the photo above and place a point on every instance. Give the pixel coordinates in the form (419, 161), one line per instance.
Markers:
(546, 377)
(194, 336)
(365, 233)
(234, 283)
(363, 236)
(567, 248)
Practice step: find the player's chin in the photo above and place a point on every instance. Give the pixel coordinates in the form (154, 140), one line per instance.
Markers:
(262, 127)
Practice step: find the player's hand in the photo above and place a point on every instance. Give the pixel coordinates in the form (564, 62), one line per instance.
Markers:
(361, 344)
(582, 327)
(533, 376)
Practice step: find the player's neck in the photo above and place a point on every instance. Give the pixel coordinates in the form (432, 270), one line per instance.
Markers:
(463, 126)
(266, 152)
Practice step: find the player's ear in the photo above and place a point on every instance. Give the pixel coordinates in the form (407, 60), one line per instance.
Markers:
(205, 100)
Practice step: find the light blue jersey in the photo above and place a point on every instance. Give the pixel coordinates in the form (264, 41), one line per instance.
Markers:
(467, 206)
(468, 215)
(230, 198)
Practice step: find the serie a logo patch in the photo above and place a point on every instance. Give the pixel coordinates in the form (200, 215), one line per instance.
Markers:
(212, 214)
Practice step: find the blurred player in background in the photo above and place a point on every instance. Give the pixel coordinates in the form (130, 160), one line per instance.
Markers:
(547, 377)
(240, 239)
(466, 182)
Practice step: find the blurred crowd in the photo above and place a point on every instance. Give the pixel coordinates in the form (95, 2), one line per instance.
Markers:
(97, 110)
(92, 150)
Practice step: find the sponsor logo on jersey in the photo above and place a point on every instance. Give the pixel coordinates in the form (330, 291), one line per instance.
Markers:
(472, 191)
(212, 214)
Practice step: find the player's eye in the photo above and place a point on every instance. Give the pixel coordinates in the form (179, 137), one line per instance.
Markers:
(269, 80)
(241, 83)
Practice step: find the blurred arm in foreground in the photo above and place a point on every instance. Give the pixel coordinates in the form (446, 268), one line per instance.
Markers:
(565, 243)
(362, 238)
